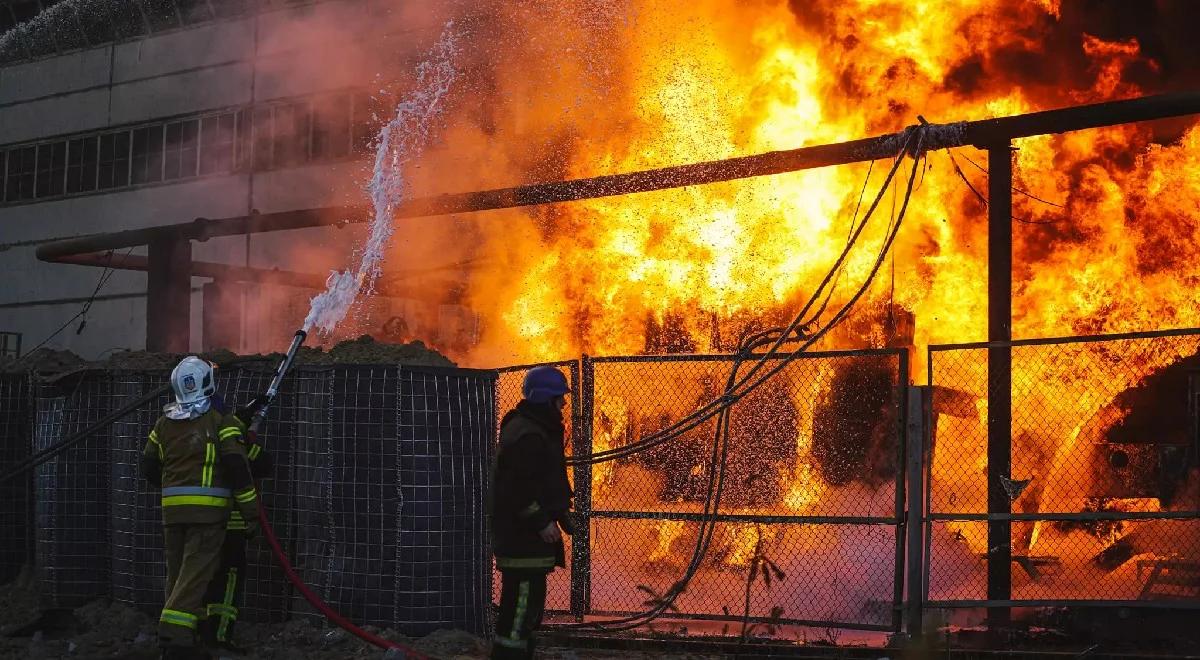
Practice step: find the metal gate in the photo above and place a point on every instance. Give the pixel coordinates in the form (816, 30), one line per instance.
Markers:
(810, 527)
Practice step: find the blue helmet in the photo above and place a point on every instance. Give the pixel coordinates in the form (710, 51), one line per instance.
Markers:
(543, 384)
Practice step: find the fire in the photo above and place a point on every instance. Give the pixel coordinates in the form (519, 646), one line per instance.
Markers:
(742, 542)
(1105, 232)
(689, 81)
(668, 532)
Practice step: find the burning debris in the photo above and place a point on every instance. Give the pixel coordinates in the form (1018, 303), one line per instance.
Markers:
(761, 449)
(853, 431)
(1143, 442)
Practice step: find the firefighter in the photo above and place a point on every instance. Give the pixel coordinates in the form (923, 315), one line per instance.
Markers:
(225, 589)
(195, 457)
(531, 504)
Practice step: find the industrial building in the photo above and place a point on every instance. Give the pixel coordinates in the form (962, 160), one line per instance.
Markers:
(126, 115)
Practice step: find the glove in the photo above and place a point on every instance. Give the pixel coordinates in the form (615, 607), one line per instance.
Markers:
(550, 534)
(252, 530)
(567, 523)
(246, 412)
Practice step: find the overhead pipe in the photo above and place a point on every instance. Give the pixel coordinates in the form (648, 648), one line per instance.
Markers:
(979, 133)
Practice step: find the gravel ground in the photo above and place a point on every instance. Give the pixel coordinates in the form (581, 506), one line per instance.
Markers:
(103, 629)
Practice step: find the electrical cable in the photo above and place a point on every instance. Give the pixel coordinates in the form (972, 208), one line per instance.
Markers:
(720, 443)
(984, 200)
(105, 276)
(1026, 193)
(706, 412)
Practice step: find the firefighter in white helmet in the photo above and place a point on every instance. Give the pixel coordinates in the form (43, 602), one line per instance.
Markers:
(195, 456)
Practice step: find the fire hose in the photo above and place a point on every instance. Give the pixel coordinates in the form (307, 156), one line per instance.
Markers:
(277, 550)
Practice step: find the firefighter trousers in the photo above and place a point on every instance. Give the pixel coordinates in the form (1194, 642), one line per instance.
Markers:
(193, 554)
(522, 604)
(225, 589)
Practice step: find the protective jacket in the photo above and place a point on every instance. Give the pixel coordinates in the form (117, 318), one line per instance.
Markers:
(260, 461)
(202, 468)
(531, 488)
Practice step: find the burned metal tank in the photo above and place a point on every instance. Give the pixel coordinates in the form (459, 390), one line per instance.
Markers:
(1143, 442)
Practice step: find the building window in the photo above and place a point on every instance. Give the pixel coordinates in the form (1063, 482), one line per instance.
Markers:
(331, 128)
(181, 158)
(22, 166)
(161, 14)
(366, 123)
(216, 143)
(10, 344)
(291, 134)
(51, 168)
(114, 160)
(255, 138)
(264, 143)
(195, 11)
(81, 165)
(147, 155)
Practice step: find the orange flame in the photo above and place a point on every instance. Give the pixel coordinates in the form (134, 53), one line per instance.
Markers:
(1105, 238)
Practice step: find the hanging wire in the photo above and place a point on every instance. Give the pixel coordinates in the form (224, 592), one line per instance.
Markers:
(800, 322)
(720, 446)
(105, 276)
(1015, 189)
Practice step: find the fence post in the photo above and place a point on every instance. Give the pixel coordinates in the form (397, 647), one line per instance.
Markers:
(582, 379)
(898, 509)
(999, 445)
(915, 434)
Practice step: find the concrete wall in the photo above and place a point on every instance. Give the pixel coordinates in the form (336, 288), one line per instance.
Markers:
(219, 65)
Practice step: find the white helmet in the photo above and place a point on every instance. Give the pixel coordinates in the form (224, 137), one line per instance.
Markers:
(193, 382)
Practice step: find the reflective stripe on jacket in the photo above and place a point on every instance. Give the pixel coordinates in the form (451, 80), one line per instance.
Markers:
(200, 465)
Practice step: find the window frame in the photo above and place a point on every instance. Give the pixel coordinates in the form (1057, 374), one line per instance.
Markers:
(248, 139)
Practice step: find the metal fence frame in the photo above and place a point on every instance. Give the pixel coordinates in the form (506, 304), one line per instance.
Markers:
(896, 520)
(930, 518)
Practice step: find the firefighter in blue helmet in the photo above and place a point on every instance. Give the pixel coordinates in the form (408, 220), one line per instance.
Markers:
(195, 456)
(531, 503)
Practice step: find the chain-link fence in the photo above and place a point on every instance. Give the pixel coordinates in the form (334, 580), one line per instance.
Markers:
(808, 526)
(1091, 470)
(377, 493)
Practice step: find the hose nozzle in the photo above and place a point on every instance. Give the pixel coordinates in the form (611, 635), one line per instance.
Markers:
(273, 388)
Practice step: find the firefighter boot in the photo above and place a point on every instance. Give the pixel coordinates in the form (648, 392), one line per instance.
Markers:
(206, 634)
(230, 647)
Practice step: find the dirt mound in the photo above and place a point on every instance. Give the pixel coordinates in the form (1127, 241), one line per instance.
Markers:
(43, 360)
(365, 350)
(20, 602)
(97, 630)
(103, 629)
(452, 644)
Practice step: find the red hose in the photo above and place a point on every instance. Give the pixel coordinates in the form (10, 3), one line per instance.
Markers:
(319, 604)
